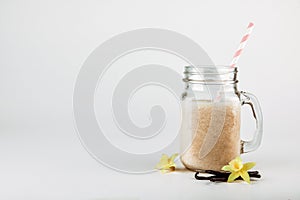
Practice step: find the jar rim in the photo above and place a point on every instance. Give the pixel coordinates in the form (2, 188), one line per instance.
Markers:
(210, 74)
(211, 66)
(210, 69)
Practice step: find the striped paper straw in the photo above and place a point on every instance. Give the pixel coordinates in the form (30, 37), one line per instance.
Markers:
(237, 54)
(242, 45)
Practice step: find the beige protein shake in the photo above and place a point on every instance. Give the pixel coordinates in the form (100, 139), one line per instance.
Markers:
(212, 135)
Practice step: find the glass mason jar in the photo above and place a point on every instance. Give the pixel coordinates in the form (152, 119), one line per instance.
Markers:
(210, 131)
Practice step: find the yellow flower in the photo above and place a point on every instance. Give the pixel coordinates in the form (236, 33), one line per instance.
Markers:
(237, 169)
(166, 164)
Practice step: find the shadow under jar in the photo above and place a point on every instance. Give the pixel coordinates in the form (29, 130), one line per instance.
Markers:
(211, 105)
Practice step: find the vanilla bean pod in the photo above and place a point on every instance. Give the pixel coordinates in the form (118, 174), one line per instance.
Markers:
(219, 176)
(224, 179)
(220, 173)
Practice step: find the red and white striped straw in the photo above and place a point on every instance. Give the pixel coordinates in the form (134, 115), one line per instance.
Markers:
(242, 45)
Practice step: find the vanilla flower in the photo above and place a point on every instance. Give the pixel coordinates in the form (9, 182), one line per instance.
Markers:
(166, 163)
(237, 169)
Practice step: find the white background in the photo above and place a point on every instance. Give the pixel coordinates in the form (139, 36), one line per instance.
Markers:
(42, 47)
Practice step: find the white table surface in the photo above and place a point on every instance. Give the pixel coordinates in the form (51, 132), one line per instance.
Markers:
(44, 167)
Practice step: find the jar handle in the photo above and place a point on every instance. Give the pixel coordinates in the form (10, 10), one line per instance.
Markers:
(251, 100)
